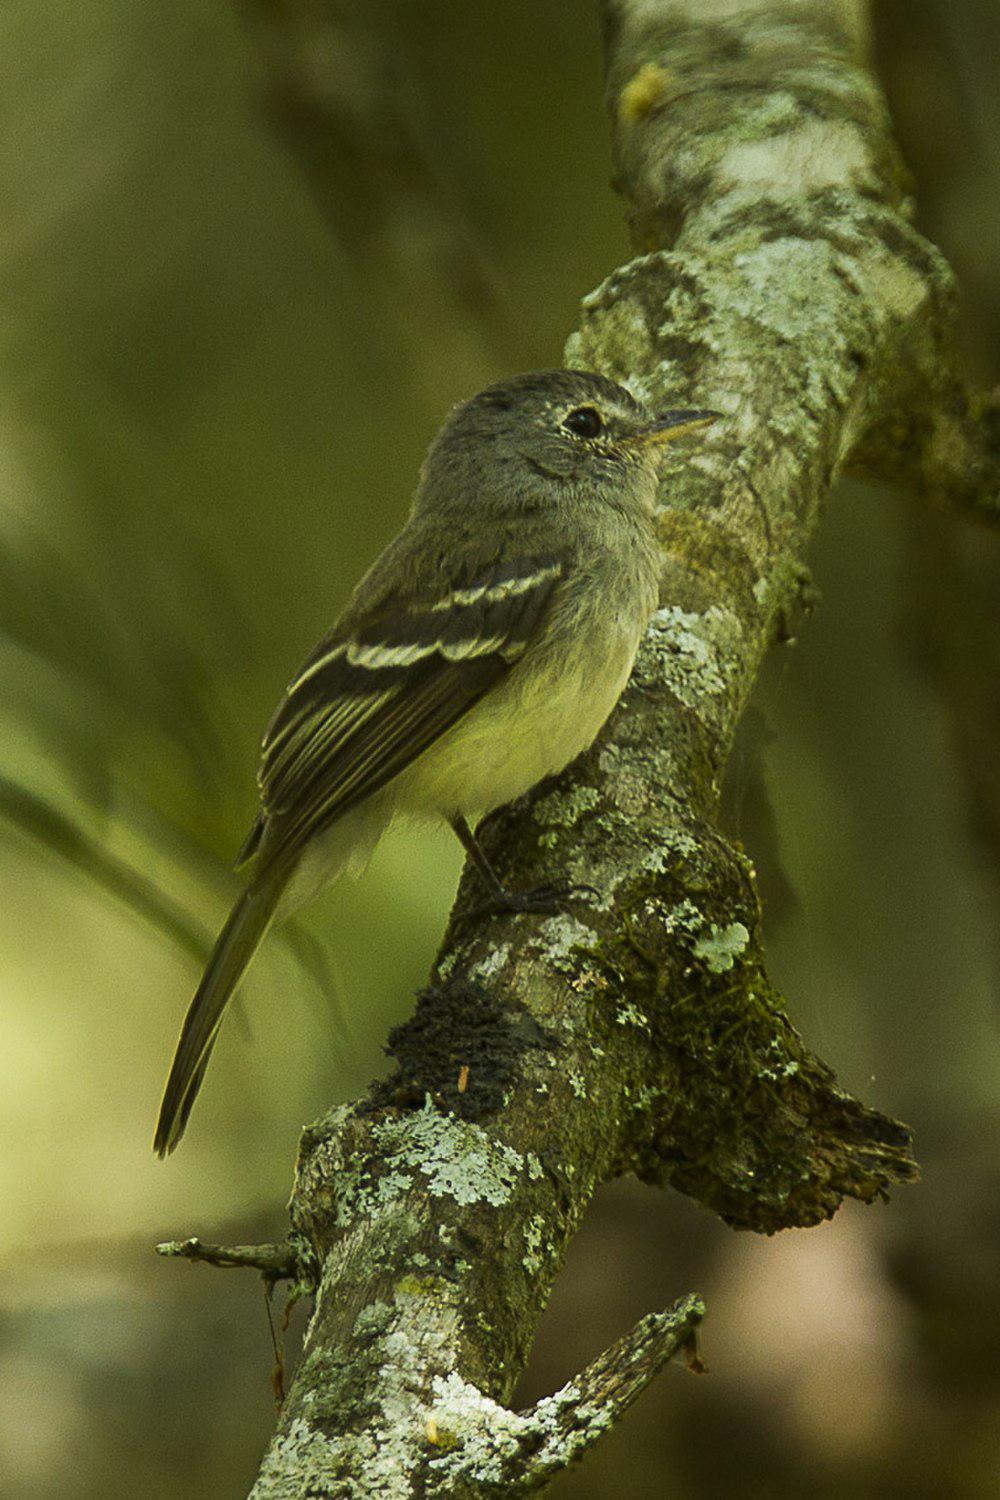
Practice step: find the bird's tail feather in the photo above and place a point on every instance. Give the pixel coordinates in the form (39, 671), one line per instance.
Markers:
(236, 945)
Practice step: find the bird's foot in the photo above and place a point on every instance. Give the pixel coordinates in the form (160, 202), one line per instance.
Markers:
(550, 897)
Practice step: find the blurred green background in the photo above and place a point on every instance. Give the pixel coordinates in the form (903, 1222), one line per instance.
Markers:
(249, 254)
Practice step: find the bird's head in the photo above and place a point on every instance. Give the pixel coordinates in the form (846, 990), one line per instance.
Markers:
(554, 433)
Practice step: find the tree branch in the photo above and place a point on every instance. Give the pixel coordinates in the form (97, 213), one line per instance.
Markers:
(504, 1453)
(945, 448)
(782, 284)
(274, 1262)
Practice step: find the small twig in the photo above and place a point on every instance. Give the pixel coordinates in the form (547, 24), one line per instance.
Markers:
(274, 1262)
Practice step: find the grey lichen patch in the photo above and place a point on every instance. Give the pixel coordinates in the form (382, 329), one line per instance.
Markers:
(623, 328)
(365, 1196)
(446, 966)
(490, 966)
(672, 844)
(629, 782)
(388, 1370)
(489, 1435)
(631, 1015)
(720, 947)
(684, 918)
(560, 936)
(427, 1418)
(372, 1319)
(715, 945)
(442, 1155)
(454, 1158)
(812, 155)
(695, 653)
(783, 1066)
(778, 284)
(622, 304)
(894, 286)
(563, 809)
(534, 1238)
(303, 1453)
(493, 1440)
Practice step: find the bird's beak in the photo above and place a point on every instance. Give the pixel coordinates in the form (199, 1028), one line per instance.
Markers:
(672, 424)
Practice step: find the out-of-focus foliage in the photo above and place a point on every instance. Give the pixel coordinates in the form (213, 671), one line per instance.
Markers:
(217, 383)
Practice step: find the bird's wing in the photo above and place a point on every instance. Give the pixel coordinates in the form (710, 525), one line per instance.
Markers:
(375, 695)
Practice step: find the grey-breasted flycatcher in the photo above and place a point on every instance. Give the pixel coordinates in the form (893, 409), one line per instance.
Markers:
(480, 653)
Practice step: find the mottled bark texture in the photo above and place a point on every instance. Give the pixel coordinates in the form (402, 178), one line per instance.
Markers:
(779, 281)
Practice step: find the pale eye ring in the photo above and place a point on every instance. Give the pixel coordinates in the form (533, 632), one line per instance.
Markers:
(583, 421)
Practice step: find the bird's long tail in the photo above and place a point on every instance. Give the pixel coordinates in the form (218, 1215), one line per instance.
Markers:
(236, 945)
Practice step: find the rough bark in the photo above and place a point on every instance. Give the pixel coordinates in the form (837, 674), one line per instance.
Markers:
(780, 282)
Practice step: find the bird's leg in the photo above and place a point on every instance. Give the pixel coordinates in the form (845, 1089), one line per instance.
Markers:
(541, 898)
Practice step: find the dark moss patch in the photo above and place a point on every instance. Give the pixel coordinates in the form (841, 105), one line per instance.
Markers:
(461, 1046)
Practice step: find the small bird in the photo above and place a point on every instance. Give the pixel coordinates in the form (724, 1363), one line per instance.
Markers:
(481, 652)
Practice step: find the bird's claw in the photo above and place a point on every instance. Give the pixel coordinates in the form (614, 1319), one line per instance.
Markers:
(542, 898)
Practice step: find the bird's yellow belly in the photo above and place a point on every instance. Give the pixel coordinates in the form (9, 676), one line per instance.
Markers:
(528, 728)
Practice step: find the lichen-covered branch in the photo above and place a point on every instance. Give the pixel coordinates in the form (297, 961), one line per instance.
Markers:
(779, 281)
(464, 1442)
(504, 1453)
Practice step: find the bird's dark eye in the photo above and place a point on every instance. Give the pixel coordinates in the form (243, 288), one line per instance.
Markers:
(583, 421)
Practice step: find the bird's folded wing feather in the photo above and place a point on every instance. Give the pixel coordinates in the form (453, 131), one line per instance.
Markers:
(373, 697)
